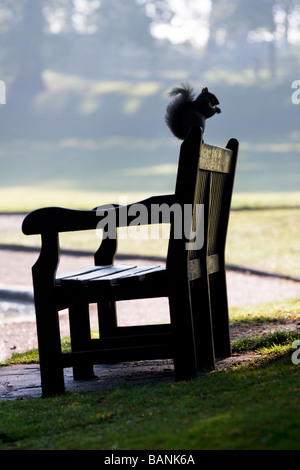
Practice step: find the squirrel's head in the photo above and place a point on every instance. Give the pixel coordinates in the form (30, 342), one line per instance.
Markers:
(212, 98)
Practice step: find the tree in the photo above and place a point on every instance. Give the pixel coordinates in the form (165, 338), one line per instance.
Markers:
(249, 23)
(28, 52)
(124, 23)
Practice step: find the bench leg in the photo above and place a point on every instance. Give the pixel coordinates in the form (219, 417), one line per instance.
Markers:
(200, 301)
(80, 331)
(107, 318)
(220, 317)
(182, 328)
(52, 377)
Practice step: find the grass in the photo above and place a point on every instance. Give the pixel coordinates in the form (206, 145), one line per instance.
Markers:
(266, 344)
(267, 312)
(265, 239)
(248, 406)
(23, 199)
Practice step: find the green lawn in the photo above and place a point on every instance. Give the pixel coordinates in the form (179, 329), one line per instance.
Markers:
(252, 406)
(265, 239)
(249, 407)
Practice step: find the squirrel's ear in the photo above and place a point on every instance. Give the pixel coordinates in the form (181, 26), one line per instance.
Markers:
(205, 90)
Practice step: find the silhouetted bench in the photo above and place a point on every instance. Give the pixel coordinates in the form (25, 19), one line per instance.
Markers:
(193, 279)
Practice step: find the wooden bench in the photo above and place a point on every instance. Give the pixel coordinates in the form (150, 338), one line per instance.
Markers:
(193, 279)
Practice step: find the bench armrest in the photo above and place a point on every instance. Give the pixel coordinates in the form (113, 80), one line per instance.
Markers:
(60, 219)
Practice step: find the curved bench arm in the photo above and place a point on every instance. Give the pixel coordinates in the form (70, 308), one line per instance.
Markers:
(60, 219)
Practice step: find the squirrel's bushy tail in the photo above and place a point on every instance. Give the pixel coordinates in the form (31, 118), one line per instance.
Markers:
(176, 118)
(186, 92)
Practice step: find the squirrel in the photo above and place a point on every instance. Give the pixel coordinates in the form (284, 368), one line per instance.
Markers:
(186, 111)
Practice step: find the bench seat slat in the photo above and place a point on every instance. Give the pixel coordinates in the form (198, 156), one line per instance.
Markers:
(137, 274)
(99, 272)
(110, 274)
(141, 270)
(80, 271)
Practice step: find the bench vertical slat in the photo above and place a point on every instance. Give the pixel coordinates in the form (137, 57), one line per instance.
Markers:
(200, 295)
(218, 234)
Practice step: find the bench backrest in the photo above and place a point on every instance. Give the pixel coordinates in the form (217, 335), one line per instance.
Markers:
(204, 182)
